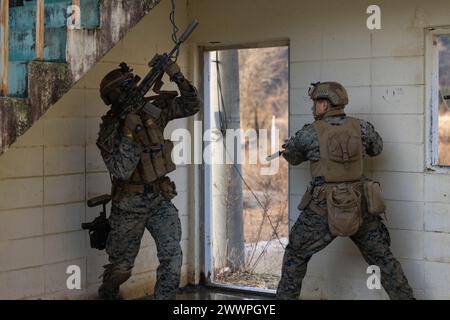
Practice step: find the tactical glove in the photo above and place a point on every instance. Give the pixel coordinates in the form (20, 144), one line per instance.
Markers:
(173, 71)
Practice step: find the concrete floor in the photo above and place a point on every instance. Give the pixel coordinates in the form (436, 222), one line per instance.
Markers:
(208, 293)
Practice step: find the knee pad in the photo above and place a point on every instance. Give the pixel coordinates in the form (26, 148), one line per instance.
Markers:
(113, 277)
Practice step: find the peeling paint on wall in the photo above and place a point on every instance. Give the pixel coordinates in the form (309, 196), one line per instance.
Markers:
(14, 120)
(47, 83)
(117, 18)
(76, 51)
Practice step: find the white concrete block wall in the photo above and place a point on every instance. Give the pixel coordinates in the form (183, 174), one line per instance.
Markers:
(47, 176)
(384, 72)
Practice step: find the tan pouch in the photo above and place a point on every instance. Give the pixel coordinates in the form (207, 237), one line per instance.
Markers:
(166, 188)
(154, 132)
(374, 198)
(344, 147)
(168, 147)
(146, 168)
(158, 160)
(344, 210)
(134, 124)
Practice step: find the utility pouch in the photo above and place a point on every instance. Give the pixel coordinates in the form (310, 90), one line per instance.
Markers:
(167, 151)
(343, 147)
(306, 199)
(133, 123)
(158, 160)
(166, 188)
(344, 210)
(154, 132)
(374, 198)
(146, 168)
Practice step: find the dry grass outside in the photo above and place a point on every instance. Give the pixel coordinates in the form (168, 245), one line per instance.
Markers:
(444, 139)
(253, 222)
(247, 279)
(444, 110)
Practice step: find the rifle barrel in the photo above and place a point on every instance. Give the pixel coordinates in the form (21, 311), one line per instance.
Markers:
(186, 34)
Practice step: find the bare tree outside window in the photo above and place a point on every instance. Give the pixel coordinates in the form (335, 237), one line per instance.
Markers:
(258, 100)
(444, 99)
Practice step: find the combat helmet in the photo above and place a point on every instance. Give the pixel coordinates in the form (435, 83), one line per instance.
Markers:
(114, 80)
(333, 91)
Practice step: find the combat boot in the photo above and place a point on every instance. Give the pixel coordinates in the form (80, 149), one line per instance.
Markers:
(112, 279)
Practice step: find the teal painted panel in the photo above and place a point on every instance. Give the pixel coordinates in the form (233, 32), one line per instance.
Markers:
(17, 78)
(55, 44)
(22, 38)
(23, 18)
(56, 13)
(22, 45)
(55, 37)
(90, 14)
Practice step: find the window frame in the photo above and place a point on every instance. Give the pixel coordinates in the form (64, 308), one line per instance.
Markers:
(432, 101)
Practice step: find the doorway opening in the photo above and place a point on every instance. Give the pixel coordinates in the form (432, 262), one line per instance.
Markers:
(246, 195)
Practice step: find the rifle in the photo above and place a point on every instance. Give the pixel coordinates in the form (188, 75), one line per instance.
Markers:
(134, 99)
(274, 156)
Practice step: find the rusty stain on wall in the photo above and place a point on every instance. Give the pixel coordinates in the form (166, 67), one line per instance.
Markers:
(117, 17)
(40, 30)
(49, 81)
(4, 25)
(14, 119)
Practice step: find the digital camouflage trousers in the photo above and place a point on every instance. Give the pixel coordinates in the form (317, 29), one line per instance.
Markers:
(127, 229)
(311, 233)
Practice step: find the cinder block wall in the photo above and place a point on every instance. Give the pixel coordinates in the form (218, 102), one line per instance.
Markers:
(329, 40)
(47, 176)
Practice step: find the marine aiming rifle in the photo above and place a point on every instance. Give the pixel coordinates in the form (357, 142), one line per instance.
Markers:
(134, 99)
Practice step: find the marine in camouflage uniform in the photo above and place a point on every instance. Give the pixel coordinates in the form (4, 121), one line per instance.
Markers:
(311, 233)
(136, 205)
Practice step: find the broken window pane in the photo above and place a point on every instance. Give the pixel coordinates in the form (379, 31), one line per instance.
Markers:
(444, 100)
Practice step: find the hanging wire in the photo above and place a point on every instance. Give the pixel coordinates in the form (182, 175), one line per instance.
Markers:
(175, 28)
(223, 127)
(220, 98)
